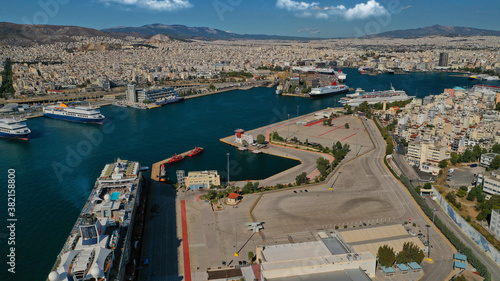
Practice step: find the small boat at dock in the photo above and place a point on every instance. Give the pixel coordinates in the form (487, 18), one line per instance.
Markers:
(175, 158)
(195, 151)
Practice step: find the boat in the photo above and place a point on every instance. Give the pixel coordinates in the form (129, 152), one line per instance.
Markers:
(175, 158)
(120, 104)
(14, 128)
(279, 90)
(99, 246)
(169, 99)
(163, 172)
(390, 71)
(195, 151)
(341, 76)
(256, 151)
(361, 96)
(242, 148)
(365, 69)
(74, 113)
(329, 90)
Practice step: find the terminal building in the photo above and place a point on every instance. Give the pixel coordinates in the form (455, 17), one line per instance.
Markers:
(314, 261)
(201, 179)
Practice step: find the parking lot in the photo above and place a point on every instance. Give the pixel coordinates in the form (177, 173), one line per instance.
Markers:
(463, 176)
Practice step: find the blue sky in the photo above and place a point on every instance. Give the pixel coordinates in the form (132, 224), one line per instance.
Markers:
(316, 18)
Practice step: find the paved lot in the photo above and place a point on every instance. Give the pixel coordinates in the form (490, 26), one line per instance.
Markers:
(463, 176)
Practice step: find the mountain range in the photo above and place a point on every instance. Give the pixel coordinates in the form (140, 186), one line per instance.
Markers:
(22, 34)
(436, 30)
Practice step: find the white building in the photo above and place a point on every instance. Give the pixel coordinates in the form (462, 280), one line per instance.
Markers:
(313, 261)
(426, 156)
(495, 222)
(490, 183)
(486, 159)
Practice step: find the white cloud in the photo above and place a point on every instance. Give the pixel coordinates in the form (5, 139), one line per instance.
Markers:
(159, 5)
(313, 9)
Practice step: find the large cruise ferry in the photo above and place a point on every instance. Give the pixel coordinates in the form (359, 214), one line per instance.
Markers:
(361, 96)
(14, 129)
(329, 90)
(341, 76)
(99, 246)
(74, 113)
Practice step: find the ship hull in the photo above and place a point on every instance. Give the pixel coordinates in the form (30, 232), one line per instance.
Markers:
(329, 93)
(74, 119)
(14, 136)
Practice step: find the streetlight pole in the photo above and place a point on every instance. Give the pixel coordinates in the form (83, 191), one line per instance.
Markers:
(227, 169)
(235, 236)
(428, 242)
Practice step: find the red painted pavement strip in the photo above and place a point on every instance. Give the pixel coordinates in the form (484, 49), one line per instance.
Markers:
(331, 130)
(185, 243)
(349, 136)
(314, 123)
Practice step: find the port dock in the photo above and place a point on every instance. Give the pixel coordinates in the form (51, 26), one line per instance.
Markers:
(155, 169)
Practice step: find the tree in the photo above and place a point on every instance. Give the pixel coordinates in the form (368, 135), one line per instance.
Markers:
(211, 87)
(386, 256)
(496, 148)
(476, 152)
(248, 188)
(211, 194)
(337, 146)
(302, 178)
(462, 192)
(329, 122)
(251, 256)
(427, 185)
(261, 139)
(454, 158)
(497, 107)
(322, 164)
(472, 194)
(495, 163)
(410, 253)
(443, 164)
(346, 125)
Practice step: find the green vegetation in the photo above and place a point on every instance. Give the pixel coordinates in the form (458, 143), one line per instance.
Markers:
(462, 191)
(272, 68)
(452, 199)
(485, 207)
(387, 137)
(301, 179)
(400, 104)
(251, 256)
(386, 256)
(497, 107)
(7, 87)
(496, 148)
(322, 165)
(211, 87)
(461, 247)
(276, 137)
(347, 109)
(495, 163)
(306, 90)
(346, 125)
(237, 74)
(261, 139)
(443, 164)
(410, 253)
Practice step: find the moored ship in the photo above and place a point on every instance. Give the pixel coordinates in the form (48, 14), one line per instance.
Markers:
(195, 151)
(329, 90)
(74, 113)
(14, 129)
(99, 245)
(175, 158)
(361, 96)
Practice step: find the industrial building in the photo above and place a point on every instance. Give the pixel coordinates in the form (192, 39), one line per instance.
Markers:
(314, 261)
(201, 179)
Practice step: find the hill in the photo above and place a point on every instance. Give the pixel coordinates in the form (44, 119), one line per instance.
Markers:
(436, 30)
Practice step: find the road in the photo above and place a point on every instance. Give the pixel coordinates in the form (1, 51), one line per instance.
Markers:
(493, 267)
